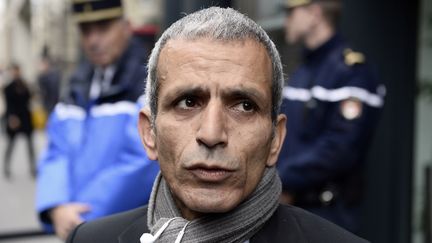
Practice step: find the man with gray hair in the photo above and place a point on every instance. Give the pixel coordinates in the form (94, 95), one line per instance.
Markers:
(213, 123)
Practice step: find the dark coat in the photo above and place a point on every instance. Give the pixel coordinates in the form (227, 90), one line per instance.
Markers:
(17, 97)
(287, 225)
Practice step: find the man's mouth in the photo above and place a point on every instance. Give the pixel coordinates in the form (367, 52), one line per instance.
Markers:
(210, 174)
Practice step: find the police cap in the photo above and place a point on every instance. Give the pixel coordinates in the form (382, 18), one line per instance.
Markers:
(296, 3)
(96, 10)
(289, 4)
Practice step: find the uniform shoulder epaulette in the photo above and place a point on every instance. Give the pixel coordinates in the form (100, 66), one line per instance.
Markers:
(351, 57)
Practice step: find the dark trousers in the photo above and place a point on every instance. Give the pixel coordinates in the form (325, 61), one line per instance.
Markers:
(8, 153)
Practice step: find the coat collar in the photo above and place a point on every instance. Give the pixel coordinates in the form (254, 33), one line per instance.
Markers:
(281, 227)
(135, 230)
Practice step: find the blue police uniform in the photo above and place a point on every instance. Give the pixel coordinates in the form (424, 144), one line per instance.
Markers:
(95, 155)
(332, 103)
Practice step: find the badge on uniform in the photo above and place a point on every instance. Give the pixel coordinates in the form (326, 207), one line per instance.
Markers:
(351, 57)
(351, 108)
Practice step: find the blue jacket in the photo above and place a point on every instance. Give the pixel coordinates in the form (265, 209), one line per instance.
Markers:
(94, 152)
(332, 103)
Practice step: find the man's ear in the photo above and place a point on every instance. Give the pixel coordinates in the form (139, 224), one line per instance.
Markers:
(278, 139)
(147, 134)
(127, 26)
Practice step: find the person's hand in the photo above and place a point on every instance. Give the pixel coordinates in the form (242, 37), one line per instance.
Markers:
(13, 122)
(66, 217)
(286, 198)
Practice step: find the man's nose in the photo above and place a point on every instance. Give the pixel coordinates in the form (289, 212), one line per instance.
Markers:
(212, 131)
(92, 37)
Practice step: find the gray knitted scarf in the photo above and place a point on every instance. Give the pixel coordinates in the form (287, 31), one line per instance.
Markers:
(238, 225)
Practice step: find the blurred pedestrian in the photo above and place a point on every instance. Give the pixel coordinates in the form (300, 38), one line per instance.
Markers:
(49, 84)
(95, 164)
(17, 118)
(332, 103)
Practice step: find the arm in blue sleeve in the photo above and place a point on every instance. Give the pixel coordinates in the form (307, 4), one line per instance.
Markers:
(52, 187)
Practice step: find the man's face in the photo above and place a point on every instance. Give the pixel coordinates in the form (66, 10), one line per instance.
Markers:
(213, 132)
(15, 73)
(298, 24)
(104, 41)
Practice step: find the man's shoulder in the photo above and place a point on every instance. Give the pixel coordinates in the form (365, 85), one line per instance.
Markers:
(132, 223)
(292, 224)
(288, 224)
(318, 229)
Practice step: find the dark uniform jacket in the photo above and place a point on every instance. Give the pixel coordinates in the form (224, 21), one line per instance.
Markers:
(287, 225)
(332, 103)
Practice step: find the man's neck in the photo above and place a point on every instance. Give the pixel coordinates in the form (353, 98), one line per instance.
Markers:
(319, 35)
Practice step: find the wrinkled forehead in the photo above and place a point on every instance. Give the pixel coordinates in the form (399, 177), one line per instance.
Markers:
(243, 52)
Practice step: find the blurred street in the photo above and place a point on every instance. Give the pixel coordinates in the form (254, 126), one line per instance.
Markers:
(17, 209)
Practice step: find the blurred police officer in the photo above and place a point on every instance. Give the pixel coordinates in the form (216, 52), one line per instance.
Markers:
(332, 102)
(95, 164)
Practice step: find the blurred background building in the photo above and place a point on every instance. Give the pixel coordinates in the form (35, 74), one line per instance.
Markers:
(395, 35)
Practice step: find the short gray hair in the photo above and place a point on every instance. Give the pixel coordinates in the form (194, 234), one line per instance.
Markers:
(217, 23)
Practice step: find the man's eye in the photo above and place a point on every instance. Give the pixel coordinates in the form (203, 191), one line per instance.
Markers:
(245, 106)
(187, 103)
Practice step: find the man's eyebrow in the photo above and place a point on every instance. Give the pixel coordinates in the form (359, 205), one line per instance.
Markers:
(244, 93)
(184, 90)
(227, 93)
